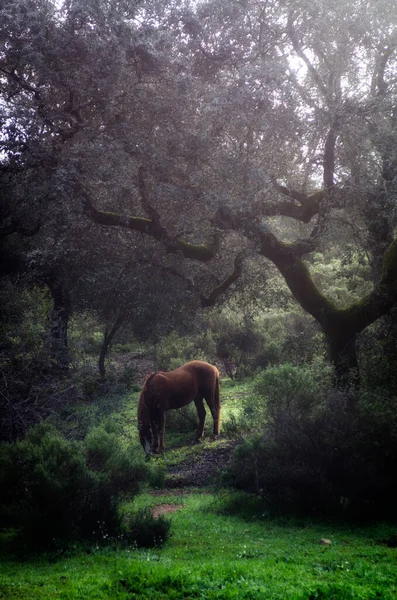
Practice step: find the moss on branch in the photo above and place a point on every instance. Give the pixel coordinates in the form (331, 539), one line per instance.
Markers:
(200, 252)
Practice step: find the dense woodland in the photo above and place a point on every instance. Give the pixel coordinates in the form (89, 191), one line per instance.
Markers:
(212, 180)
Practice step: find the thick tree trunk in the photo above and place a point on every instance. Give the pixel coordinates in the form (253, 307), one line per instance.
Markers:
(340, 326)
(343, 356)
(59, 322)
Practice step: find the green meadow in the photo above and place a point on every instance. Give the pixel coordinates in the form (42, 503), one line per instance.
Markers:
(221, 547)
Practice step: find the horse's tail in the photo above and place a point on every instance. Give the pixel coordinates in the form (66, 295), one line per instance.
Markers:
(147, 381)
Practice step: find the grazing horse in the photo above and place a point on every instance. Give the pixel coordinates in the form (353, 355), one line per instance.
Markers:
(193, 382)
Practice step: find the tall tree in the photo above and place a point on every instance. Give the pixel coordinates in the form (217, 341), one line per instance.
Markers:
(198, 127)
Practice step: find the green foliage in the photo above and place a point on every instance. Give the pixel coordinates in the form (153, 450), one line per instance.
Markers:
(106, 454)
(174, 350)
(146, 531)
(378, 356)
(238, 346)
(23, 319)
(156, 475)
(344, 277)
(60, 489)
(246, 345)
(317, 455)
(289, 336)
(288, 389)
(127, 377)
(85, 335)
(27, 382)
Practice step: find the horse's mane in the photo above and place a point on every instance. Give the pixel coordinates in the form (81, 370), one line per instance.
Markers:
(143, 407)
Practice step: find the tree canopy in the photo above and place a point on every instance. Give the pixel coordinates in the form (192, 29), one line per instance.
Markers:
(203, 134)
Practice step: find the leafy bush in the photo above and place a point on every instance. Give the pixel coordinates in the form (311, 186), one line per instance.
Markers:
(60, 489)
(175, 350)
(246, 343)
(85, 334)
(286, 389)
(145, 530)
(318, 455)
(238, 346)
(30, 387)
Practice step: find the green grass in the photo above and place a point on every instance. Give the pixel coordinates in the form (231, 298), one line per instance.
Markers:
(216, 554)
(222, 546)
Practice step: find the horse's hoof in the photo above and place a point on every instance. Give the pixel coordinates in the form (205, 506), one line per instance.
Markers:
(195, 441)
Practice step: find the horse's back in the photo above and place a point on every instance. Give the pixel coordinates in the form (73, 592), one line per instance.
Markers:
(202, 372)
(198, 366)
(182, 385)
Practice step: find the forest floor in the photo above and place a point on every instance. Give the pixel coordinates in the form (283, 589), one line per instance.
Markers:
(203, 470)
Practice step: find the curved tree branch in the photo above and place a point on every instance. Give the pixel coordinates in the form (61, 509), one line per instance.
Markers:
(200, 252)
(346, 322)
(386, 49)
(226, 283)
(303, 210)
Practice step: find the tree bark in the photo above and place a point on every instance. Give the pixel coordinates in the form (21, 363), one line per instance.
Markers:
(343, 356)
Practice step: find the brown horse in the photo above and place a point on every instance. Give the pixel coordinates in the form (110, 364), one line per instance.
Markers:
(193, 382)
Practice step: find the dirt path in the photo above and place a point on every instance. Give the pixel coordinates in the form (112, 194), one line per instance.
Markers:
(202, 470)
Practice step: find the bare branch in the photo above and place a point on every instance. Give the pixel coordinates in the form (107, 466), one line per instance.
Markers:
(226, 283)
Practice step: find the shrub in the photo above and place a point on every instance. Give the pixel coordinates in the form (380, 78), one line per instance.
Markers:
(145, 530)
(30, 385)
(85, 334)
(239, 347)
(105, 454)
(175, 350)
(60, 489)
(316, 455)
(286, 389)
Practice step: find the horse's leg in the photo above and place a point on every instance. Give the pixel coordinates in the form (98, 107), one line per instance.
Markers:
(158, 427)
(155, 431)
(201, 415)
(215, 412)
(215, 416)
